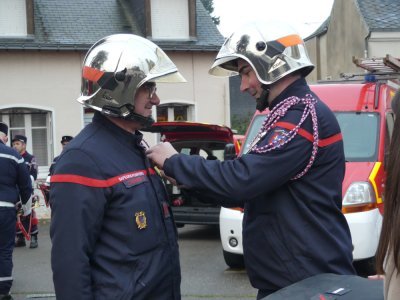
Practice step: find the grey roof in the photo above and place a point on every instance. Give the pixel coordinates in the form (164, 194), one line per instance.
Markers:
(380, 15)
(77, 24)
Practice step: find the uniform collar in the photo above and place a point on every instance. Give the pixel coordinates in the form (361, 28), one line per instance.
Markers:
(297, 88)
(121, 134)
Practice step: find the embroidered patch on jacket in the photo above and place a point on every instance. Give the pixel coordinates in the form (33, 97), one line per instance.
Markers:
(132, 181)
(141, 221)
(278, 137)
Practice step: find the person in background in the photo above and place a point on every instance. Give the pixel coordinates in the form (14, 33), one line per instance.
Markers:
(388, 253)
(64, 142)
(112, 230)
(29, 221)
(15, 186)
(290, 182)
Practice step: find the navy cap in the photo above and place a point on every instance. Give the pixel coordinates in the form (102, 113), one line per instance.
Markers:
(4, 128)
(66, 139)
(20, 138)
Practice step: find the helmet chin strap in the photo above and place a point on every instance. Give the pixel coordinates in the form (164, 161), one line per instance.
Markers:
(262, 101)
(127, 112)
(145, 121)
(131, 115)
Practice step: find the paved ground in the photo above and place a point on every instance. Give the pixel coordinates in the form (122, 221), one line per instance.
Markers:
(32, 272)
(204, 273)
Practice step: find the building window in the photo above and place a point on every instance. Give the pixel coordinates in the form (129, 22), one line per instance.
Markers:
(174, 112)
(35, 125)
(171, 20)
(16, 18)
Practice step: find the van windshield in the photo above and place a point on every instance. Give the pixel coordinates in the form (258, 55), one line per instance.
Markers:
(360, 134)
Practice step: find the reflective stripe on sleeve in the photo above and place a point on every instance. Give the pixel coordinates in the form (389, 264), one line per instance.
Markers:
(305, 134)
(6, 278)
(6, 204)
(100, 183)
(12, 157)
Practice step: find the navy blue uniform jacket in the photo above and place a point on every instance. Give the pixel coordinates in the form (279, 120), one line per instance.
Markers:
(292, 229)
(112, 232)
(14, 177)
(30, 162)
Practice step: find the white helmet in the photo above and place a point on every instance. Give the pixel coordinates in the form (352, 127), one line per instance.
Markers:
(114, 69)
(273, 50)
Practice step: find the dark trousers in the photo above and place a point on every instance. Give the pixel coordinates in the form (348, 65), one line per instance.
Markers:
(7, 235)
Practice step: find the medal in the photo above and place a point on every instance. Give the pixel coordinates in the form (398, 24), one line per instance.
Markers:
(140, 218)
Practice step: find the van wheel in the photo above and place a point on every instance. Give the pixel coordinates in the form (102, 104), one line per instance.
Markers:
(233, 260)
(365, 267)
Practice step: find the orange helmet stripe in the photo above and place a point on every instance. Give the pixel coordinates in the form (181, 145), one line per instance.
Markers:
(92, 74)
(290, 40)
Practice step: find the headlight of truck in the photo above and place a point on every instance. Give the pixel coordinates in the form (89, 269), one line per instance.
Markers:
(359, 195)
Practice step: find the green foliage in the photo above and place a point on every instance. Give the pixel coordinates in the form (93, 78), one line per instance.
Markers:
(240, 123)
(209, 6)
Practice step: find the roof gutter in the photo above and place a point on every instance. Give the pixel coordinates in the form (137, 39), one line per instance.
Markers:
(85, 47)
(45, 48)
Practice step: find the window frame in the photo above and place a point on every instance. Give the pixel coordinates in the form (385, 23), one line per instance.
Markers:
(27, 112)
(191, 14)
(30, 22)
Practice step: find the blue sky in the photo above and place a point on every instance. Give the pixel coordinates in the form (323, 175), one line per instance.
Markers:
(304, 15)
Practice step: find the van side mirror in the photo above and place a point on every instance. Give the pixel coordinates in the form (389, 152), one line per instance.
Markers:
(229, 152)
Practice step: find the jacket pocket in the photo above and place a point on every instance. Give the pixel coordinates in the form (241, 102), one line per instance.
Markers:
(134, 219)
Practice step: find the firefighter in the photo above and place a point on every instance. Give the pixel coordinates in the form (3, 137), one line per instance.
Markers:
(112, 231)
(29, 221)
(64, 142)
(290, 182)
(15, 185)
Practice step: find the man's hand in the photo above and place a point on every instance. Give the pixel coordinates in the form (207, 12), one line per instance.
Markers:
(159, 153)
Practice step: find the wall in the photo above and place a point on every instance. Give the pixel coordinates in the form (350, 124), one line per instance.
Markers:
(51, 81)
(316, 48)
(348, 36)
(382, 43)
(46, 80)
(345, 38)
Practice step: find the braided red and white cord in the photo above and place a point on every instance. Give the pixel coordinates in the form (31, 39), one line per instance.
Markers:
(277, 113)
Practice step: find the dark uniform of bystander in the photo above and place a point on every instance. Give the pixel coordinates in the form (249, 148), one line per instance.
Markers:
(15, 185)
(29, 221)
(64, 142)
